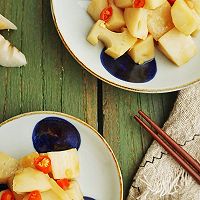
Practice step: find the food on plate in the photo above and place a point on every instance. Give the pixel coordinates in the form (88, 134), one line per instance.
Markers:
(36, 180)
(170, 23)
(196, 5)
(117, 18)
(6, 24)
(117, 43)
(69, 169)
(74, 190)
(177, 47)
(196, 32)
(10, 186)
(46, 176)
(185, 17)
(136, 22)
(112, 14)
(123, 3)
(159, 21)
(28, 160)
(153, 4)
(8, 166)
(62, 194)
(95, 8)
(6, 195)
(49, 195)
(143, 50)
(10, 56)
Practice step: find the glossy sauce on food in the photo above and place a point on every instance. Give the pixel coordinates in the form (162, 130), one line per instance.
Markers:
(124, 68)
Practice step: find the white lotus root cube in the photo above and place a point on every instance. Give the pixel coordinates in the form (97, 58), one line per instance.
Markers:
(117, 21)
(29, 179)
(95, 7)
(196, 5)
(152, 4)
(136, 22)
(8, 166)
(178, 47)
(65, 164)
(117, 43)
(184, 18)
(143, 50)
(123, 3)
(159, 20)
(74, 191)
(196, 32)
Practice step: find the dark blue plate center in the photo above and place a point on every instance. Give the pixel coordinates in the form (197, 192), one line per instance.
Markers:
(88, 198)
(55, 134)
(124, 68)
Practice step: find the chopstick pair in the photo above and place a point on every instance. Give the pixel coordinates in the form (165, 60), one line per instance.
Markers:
(191, 165)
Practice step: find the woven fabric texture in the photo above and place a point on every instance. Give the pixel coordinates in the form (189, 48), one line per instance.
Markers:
(159, 176)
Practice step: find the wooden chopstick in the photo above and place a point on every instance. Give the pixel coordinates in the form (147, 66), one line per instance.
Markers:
(173, 153)
(177, 147)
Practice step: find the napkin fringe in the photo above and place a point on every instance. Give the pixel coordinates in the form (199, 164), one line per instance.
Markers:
(168, 185)
(159, 176)
(162, 187)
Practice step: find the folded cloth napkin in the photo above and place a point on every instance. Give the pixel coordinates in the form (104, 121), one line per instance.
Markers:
(159, 176)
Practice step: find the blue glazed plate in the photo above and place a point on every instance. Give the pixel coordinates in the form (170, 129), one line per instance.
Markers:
(73, 24)
(100, 174)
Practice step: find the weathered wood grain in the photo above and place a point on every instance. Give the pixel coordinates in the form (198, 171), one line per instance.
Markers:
(10, 84)
(32, 74)
(52, 62)
(128, 140)
(52, 80)
(83, 103)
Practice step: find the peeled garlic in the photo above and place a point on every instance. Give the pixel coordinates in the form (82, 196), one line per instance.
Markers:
(10, 56)
(6, 24)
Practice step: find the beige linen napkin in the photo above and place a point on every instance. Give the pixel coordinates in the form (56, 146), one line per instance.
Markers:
(159, 176)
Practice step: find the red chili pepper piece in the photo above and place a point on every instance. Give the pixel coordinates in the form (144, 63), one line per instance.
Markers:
(106, 14)
(43, 163)
(34, 195)
(171, 2)
(7, 195)
(63, 183)
(139, 3)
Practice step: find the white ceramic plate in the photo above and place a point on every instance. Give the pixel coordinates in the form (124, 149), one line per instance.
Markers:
(100, 174)
(73, 24)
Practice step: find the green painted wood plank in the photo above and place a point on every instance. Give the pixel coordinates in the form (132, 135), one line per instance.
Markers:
(127, 139)
(79, 91)
(3, 78)
(76, 90)
(32, 74)
(11, 77)
(52, 62)
(52, 80)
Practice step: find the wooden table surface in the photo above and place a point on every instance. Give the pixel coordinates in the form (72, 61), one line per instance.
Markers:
(53, 80)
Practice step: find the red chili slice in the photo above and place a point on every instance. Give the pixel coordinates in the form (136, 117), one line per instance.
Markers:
(34, 195)
(43, 163)
(106, 14)
(7, 195)
(63, 183)
(171, 2)
(139, 3)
